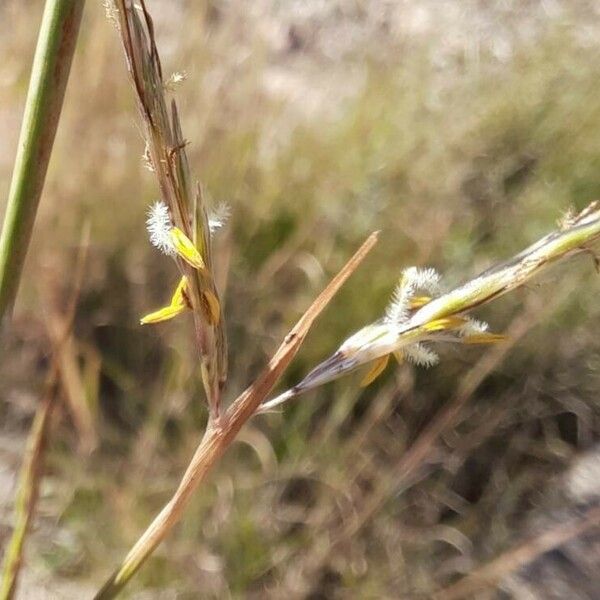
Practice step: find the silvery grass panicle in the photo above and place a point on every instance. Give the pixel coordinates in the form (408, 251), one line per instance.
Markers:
(178, 224)
(419, 314)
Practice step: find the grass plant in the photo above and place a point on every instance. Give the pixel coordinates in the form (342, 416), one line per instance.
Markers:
(462, 141)
(180, 227)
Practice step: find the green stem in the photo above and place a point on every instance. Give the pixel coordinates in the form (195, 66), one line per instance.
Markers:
(49, 75)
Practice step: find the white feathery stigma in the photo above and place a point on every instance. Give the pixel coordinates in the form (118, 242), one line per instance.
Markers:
(159, 225)
(218, 217)
(420, 355)
(397, 309)
(472, 327)
(411, 281)
(427, 280)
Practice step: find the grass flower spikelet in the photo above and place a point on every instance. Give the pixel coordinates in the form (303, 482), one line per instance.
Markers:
(410, 320)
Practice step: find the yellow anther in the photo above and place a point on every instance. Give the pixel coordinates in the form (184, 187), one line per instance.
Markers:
(177, 306)
(419, 301)
(163, 314)
(399, 356)
(485, 338)
(444, 324)
(378, 366)
(178, 297)
(185, 248)
(213, 306)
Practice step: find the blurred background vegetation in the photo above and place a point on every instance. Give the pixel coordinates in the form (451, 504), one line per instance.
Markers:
(461, 130)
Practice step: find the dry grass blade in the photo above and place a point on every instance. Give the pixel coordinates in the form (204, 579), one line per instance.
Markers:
(33, 461)
(187, 214)
(218, 437)
(522, 555)
(25, 503)
(71, 381)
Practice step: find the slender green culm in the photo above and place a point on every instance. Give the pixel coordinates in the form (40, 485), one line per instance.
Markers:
(49, 75)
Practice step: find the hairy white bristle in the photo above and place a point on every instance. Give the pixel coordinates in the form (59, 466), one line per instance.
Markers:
(159, 225)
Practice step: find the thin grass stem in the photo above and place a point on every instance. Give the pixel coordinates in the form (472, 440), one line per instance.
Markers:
(49, 75)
